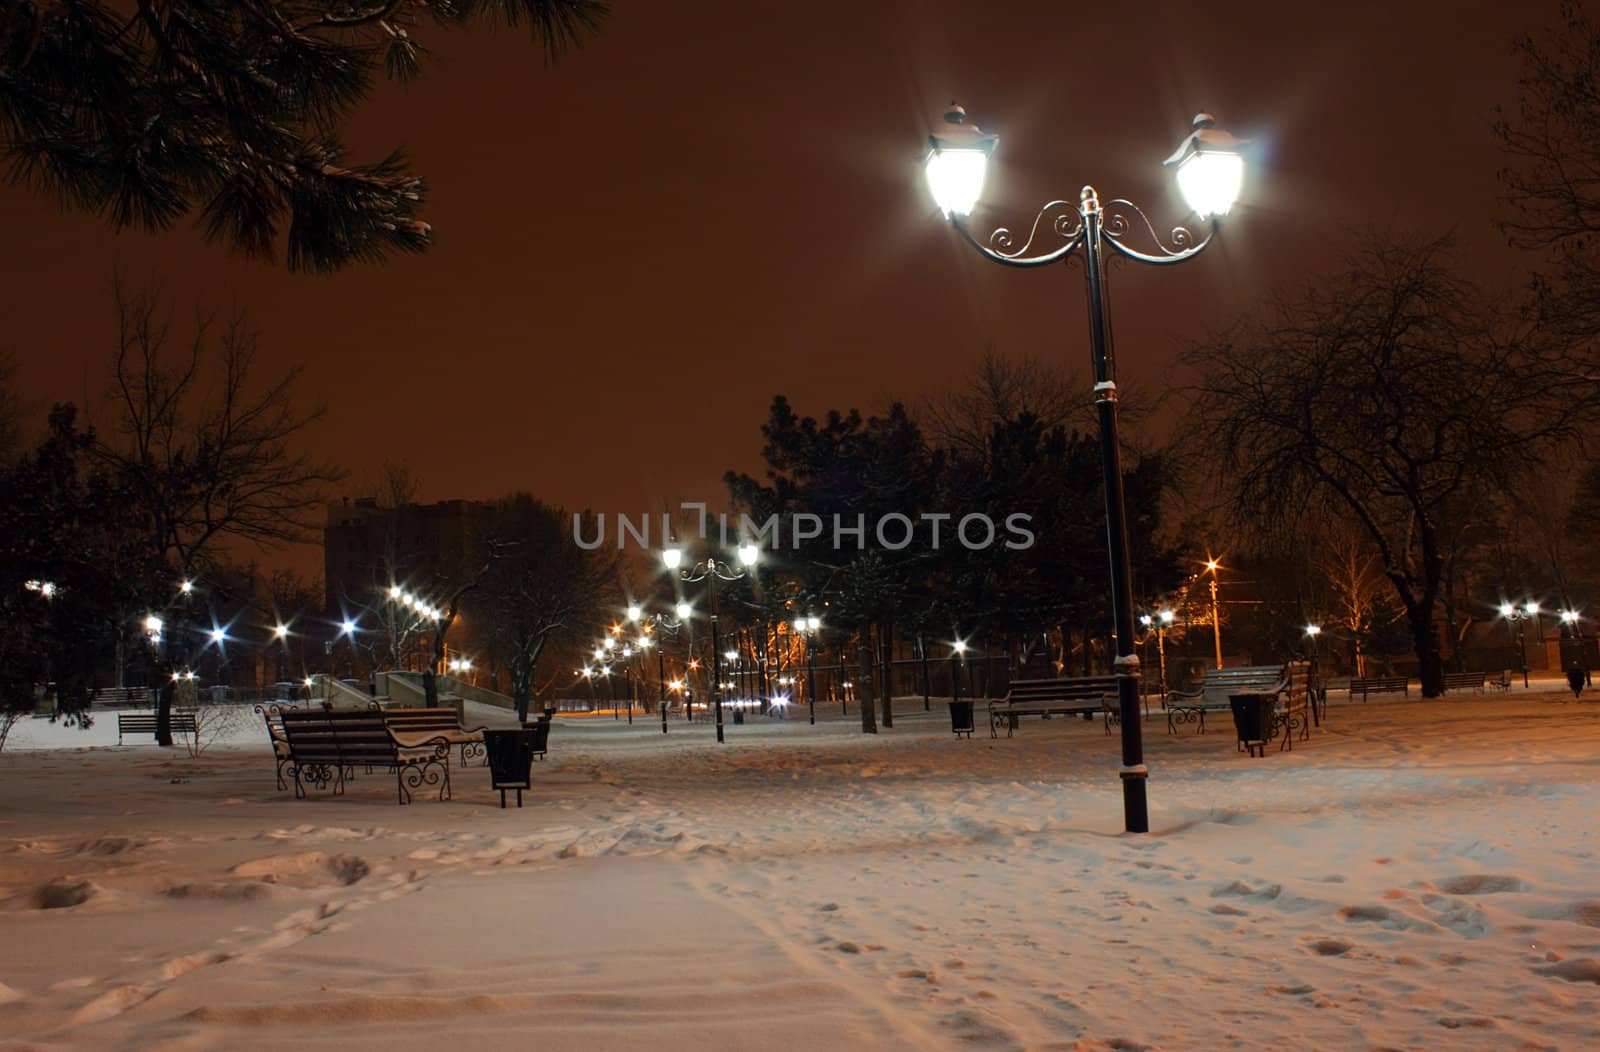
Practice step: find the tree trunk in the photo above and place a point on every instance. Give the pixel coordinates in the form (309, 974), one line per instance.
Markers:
(521, 688)
(927, 689)
(869, 723)
(886, 665)
(164, 698)
(1425, 641)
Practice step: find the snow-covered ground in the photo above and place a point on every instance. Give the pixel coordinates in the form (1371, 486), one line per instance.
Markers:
(1418, 875)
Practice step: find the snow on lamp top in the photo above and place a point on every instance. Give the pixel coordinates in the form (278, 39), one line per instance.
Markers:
(958, 154)
(1210, 167)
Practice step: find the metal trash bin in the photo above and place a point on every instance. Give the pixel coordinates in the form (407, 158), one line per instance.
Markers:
(961, 718)
(738, 715)
(511, 759)
(1252, 718)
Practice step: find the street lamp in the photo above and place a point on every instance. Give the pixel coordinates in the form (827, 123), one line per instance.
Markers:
(1519, 616)
(1314, 633)
(711, 570)
(807, 627)
(1210, 173)
(652, 621)
(1212, 566)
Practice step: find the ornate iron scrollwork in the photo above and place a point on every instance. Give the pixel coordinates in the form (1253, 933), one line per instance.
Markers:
(434, 770)
(1119, 223)
(1177, 714)
(318, 774)
(1064, 222)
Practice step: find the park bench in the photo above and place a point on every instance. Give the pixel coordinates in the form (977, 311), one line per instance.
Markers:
(541, 740)
(272, 715)
(407, 723)
(145, 723)
(1295, 701)
(1379, 685)
(325, 748)
(1191, 706)
(1071, 696)
(1465, 681)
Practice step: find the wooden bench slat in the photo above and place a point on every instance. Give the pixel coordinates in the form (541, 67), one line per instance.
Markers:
(327, 744)
(1068, 696)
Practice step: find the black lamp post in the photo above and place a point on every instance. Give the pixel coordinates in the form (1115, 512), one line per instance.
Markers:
(1209, 171)
(806, 628)
(1520, 616)
(648, 623)
(712, 570)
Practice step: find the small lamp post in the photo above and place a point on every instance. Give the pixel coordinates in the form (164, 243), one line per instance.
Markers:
(711, 570)
(1212, 566)
(1513, 615)
(1314, 633)
(648, 623)
(807, 627)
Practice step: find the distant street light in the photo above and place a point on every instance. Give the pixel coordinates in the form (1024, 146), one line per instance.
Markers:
(649, 622)
(1519, 617)
(711, 570)
(806, 627)
(1210, 172)
(1212, 566)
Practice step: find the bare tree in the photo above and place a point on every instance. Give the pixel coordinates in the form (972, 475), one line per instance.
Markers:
(1552, 144)
(1385, 393)
(544, 587)
(1355, 577)
(1004, 388)
(202, 444)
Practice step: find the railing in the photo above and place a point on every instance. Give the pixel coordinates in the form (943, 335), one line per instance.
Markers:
(337, 694)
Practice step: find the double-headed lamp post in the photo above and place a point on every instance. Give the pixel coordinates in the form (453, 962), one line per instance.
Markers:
(648, 623)
(712, 570)
(1519, 616)
(806, 627)
(1210, 171)
(1161, 620)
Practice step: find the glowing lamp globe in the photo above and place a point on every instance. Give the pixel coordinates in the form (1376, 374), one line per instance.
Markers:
(634, 612)
(672, 557)
(684, 610)
(958, 156)
(813, 622)
(748, 554)
(1210, 168)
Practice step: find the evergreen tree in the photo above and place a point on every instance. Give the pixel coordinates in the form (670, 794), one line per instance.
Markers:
(146, 112)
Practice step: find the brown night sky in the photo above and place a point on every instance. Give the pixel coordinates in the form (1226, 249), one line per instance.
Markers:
(713, 202)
